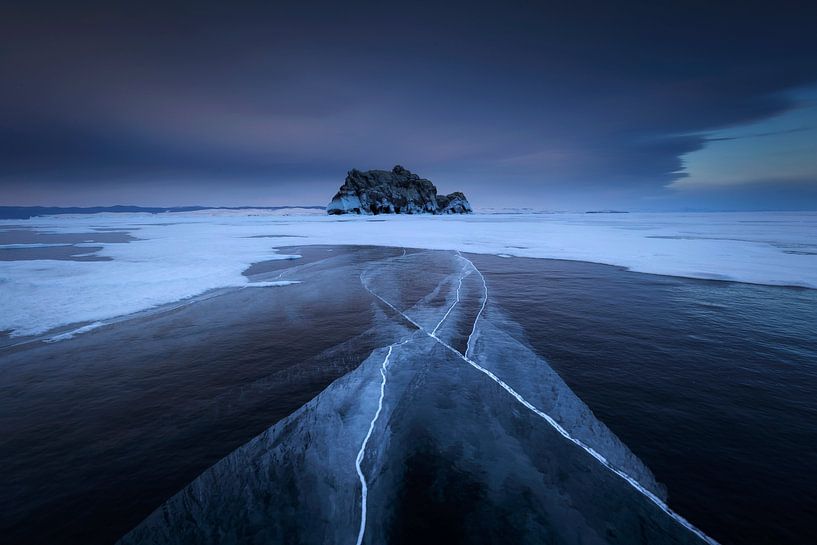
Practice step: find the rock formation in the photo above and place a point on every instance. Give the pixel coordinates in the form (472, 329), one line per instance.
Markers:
(393, 192)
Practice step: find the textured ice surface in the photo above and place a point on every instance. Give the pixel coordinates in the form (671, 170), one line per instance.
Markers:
(489, 448)
(272, 283)
(178, 256)
(168, 263)
(32, 245)
(74, 332)
(100, 429)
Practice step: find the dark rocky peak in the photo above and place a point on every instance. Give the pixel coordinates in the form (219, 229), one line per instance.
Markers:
(398, 191)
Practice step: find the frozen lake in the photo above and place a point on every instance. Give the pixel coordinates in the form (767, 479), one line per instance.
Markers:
(699, 390)
(180, 255)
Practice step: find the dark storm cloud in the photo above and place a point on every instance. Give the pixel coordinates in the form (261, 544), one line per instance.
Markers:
(550, 98)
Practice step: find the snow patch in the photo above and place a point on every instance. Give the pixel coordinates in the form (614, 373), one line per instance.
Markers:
(73, 333)
(32, 245)
(181, 255)
(272, 283)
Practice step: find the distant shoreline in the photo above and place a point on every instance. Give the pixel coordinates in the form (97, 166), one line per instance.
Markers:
(28, 212)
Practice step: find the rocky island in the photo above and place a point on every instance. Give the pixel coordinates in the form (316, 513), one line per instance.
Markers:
(397, 191)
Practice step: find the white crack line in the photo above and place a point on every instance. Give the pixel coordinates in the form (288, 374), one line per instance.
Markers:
(362, 452)
(459, 286)
(384, 366)
(481, 309)
(563, 432)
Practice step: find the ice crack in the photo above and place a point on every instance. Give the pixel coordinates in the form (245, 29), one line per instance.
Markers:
(362, 452)
(547, 418)
(457, 300)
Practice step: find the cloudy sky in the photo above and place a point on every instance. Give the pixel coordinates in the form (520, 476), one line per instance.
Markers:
(556, 105)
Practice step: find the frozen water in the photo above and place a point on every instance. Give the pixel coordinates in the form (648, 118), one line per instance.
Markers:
(178, 256)
(515, 455)
(168, 263)
(32, 245)
(364, 488)
(271, 283)
(74, 332)
(100, 429)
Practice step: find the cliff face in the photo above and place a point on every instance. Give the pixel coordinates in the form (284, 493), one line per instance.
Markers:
(393, 192)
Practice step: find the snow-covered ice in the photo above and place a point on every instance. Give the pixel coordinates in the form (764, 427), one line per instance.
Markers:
(272, 283)
(74, 332)
(32, 245)
(178, 256)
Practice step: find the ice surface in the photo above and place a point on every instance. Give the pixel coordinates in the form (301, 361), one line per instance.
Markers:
(168, 263)
(271, 283)
(420, 429)
(74, 332)
(182, 255)
(32, 245)
(291, 211)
